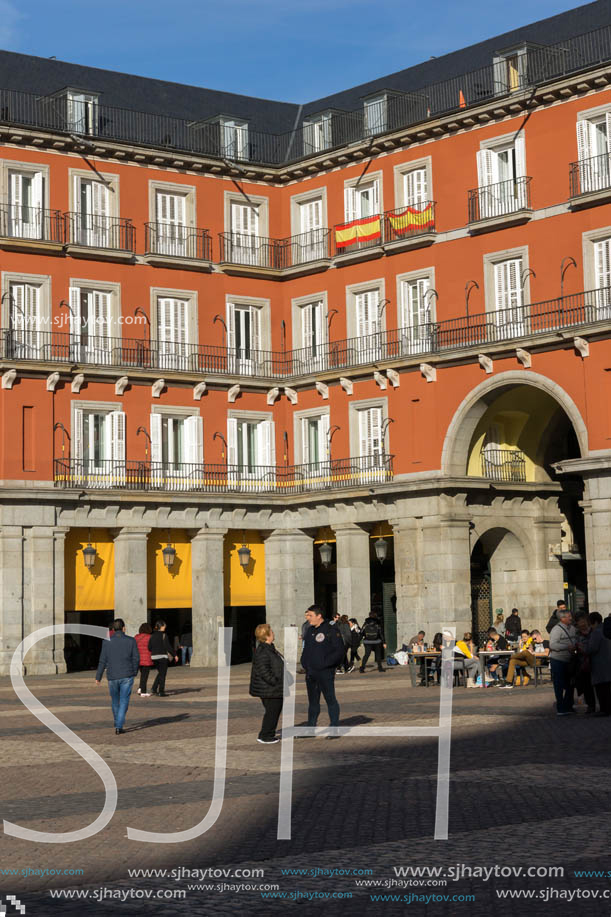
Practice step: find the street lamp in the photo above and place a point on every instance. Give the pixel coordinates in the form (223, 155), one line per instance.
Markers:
(381, 548)
(59, 426)
(332, 431)
(563, 269)
(89, 554)
(244, 556)
(169, 555)
(330, 316)
(148, 440)
(326, 553)
(140, 311)
(223, 440)
(219, 318)
(469, 286)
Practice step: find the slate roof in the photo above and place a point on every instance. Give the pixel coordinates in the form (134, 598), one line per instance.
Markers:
(44, 76)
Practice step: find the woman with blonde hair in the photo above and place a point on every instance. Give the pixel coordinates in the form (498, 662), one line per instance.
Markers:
(267, 682)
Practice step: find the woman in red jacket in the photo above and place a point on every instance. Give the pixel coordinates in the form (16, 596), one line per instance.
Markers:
(146, 663)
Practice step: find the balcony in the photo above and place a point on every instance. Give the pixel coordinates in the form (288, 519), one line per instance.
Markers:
(224, 479)
(507, 465)
(31, 228)
(167, 245)
(392, 231)
(255, 255)
(590, 181)
(506, 203)
(99, 237)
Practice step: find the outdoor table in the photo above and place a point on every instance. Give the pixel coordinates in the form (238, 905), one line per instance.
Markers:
(413, 657)
(484, 653)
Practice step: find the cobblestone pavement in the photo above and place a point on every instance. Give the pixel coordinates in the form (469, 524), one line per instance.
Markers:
(528, 789)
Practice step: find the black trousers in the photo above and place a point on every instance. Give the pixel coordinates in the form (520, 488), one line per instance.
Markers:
(144, 677)
(273, 709)
(376, 648)
(354, 654)
(162, 670)
(317, 682)
(603, 693)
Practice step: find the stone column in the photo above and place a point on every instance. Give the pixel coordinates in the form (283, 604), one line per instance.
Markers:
(407, 577)
(208, 598)
(11, 593)
(597, 520)
(41, 609)
(548, 575)
(130, 577)
(446, 573)
(59, 601)
(289, 579)
(353, 576)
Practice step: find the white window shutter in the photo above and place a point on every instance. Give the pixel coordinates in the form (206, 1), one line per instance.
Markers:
(520, 154)
(181, 323)
(266, 446)
(514, 270)
(194, 436)
(75, 313)
(323, 428)
(100, 199)
(500, 288)
(487, 168)
(602, 251)
(77, 435)
(424, 305)
(375, 431)
(584, 140)
(608, 127)
(156, 438)
(255, 328)
(350, 204)
(16, 192)
(101, 312)
(164, 329)
(271, 446)
(31, 307)
(37, 191)
(118, 435)
(306, 327)
(16, 300)
(231, 338)
(376, 197)
(305, 441)
(364, 433)
(362, 314)
(309, 145)
(232, 441)
(374, 312)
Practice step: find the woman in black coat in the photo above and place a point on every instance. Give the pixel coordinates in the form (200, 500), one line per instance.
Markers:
(267, 682)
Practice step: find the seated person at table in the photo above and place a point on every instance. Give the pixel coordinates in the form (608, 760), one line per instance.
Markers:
(523, 639)
(466, 658)
(415, 644)
(435, 663)
(497, 665)
(534, 649)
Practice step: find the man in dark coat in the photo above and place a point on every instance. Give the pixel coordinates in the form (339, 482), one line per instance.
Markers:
(373, 641)
(323, 650)
(555, 616)
(513, 625)
(121, 658)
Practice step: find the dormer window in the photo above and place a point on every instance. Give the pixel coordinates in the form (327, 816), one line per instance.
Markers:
(510, 70)
(317, 133)
(375, 115)
(234, 138)
(81, 112)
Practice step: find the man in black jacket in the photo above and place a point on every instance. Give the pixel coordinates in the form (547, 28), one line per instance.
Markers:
(555, 616)
(121, 657)
(323, 650)
(373, 641)
(513, 624)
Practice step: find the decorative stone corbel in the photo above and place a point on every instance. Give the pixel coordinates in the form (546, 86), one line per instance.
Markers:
(322, 389)
(77, 382)
(198, 390)
(233, 393)
(429, 372)
(485, 362)
(8, 378)
(346, 384)
(582, 347)
(121, 385)
(52, 381)
(272, 395)
(393, 377)
(291, 394)
(380, 379)
(524, 358)
(157, 387)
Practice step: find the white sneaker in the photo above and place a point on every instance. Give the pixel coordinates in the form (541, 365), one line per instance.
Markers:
(139, 692)
(144, 695)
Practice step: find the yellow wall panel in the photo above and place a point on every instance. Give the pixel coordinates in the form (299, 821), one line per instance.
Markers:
(244, 586)
(169, 587)
(89, 589)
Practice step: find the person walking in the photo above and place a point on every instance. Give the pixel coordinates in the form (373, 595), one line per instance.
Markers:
(343, 625)
(562, 649)
(186, 645)
(146, 663)
(583, 665)
(323, 650)
(373, 641)
(267, 682)
(513, 625)
(355, 641)
(161, 654)
(120, 659)
(598, 649)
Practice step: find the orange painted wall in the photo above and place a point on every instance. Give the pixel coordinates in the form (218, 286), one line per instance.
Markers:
(422, 412)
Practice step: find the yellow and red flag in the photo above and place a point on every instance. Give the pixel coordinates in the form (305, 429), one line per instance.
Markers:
(410, 219)
(364, 230)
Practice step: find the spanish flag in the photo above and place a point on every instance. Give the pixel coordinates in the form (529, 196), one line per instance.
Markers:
(411, 219)
(363, 230)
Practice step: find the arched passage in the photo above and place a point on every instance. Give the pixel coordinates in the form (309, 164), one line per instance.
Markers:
(500, 577)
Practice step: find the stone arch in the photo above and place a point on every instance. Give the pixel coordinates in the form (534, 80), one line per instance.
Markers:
(458, 437)
(510, 565)
(483, 527)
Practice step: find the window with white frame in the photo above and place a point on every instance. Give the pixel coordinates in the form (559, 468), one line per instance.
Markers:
(25, 204)
(417, 314)
(99, 441)
(602, 276)
(314, 439)
(90, 324)
(593, 151)
(82, 112)
(371, 443)
(311, 244)
(317, 133)
(250, 444)
(510, 71)
(501, 171)
(25, 318)
(368, 321)
(176, 440)
(93, 206)
(361, 200)
(171, 220)
(244, 247)
(234, 134)
(415, 187)
(508, 300)
(244, 337)
(173, 331)
(310, 334)
(375, 115)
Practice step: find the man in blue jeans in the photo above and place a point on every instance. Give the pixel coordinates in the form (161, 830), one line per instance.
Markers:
(121, 658)
(323, 650)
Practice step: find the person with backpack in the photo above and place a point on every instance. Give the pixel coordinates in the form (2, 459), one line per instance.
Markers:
(373, 641)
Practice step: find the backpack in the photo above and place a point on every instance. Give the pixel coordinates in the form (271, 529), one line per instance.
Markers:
(371, 631)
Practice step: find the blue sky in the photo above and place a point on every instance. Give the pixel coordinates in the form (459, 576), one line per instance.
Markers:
(291, 50)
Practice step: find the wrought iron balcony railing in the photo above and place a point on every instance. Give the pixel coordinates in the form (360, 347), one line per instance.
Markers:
(542, 64)
(93, 231)
(503, 464)
(219, 479)
(31, 223)
(500, 199)
(588, 175)
(378, 229)
(23, 343)
(275, 254)
(177, 241)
